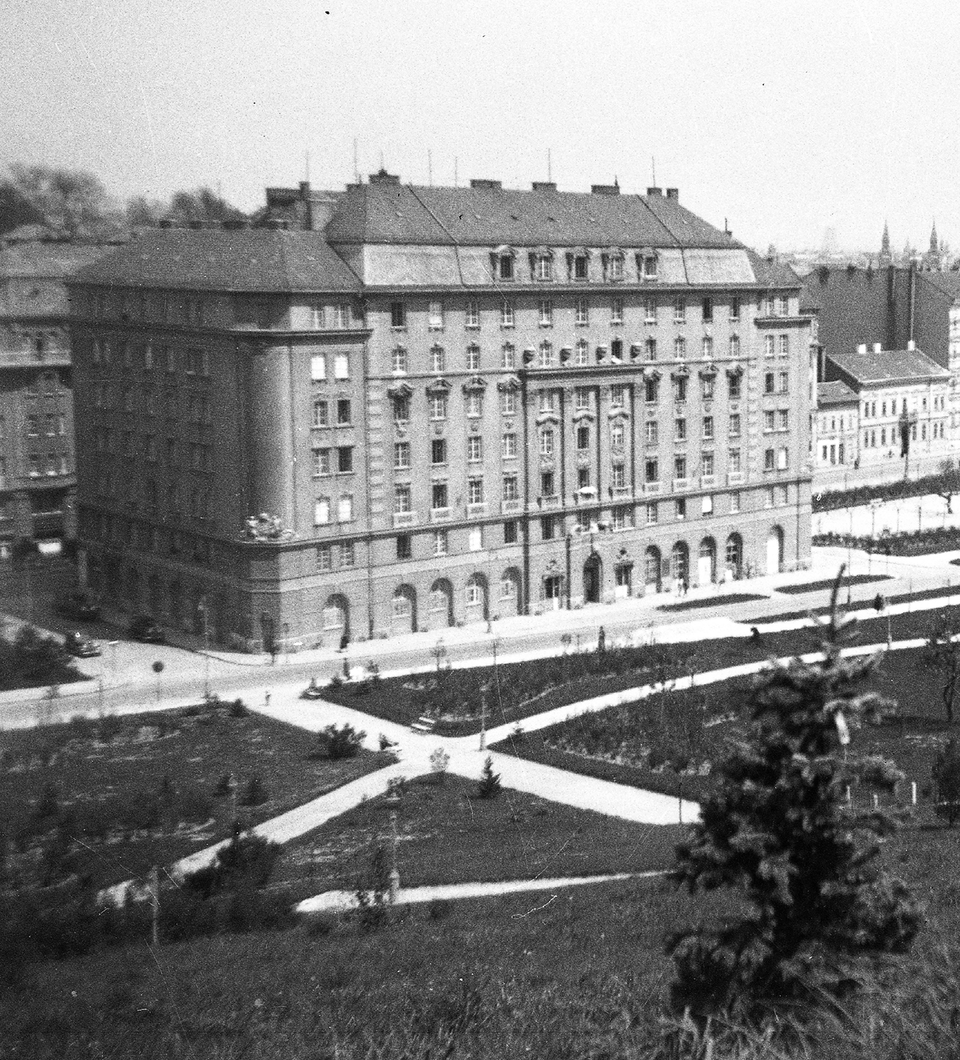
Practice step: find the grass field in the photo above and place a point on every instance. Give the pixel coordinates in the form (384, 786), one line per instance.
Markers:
(448, 835)
(131, 792)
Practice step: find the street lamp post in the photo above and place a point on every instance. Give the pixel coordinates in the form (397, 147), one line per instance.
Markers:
(483, 716)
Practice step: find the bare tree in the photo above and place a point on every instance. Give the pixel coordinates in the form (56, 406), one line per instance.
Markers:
(943, 652)
(949, 482)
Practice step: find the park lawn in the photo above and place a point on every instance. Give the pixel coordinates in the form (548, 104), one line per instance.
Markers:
(639, 744)
(828, 583)
(446, 834)
(121, 794)
(713, 601)
(576, 973)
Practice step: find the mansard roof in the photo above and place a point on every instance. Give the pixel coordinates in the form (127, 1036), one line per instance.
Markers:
(259, 259)
(391, 212)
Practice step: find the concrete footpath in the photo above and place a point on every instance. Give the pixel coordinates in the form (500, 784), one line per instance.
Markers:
(342, 901)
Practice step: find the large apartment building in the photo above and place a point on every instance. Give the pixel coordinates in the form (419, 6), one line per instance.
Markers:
(432, 406)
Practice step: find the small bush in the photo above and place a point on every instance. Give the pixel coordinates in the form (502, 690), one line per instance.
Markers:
(255, 793)
(439, 763)
(339, 742)
(489, 786)
(238, 709)
(439, 909)
(224, 786)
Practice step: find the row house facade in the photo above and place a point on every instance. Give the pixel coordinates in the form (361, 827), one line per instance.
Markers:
(446, 405)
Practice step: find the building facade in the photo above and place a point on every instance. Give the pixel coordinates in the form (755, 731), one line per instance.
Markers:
(37, 480)
(444, 406)
(837, 427)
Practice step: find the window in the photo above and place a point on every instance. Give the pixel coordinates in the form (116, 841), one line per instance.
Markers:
(435, 316)
(581, 312)
(680, 389)
(34, 466)
(708, 428)
(618, 477)
(616, 311)
(507, 313)
(321, 511)
(508, 357)
(508, 447)
(735, 386)
(768, 421)
(510, 532)
(508, 403)
(618, 396)
(615, 267)
(583, 478)
(475, 491)
(548, 526)
(546, 313)
(735, 307)
(679, 467)
(651, 470)
(583, 438)
(324, 558)
(343, 411)
(707, 387)
(734, 503)
(547, 441)
(33, 426)
(650, 349)
(345, 459)
(398, 360)
(616, 435)
(784, 345)
(438, 496)
(580, 267)
(474, 544)
(783, 457)
(321, 462)
(651, 390)
(473, 358)
(474, 404)
(734, 345)
(321, 414)
(438, 406)
(783, 382)
(472, 315)
(341, 366)
(706, 464)
(650, 515)
(398, 315)
(769, 460)
(511, 488)
(440, 545)
(345, 508)
(707, 348)
(404, 546)
(649, 266)
(783, 305)
(706, 507)
(401, 410)
(317, 317)
(401, 499)
(769, 383)
(347, 554)
(680, 430)
(401, 456)
(505, 266)
(651, 432)
(545, 358)
(679, 309)
(680, 348)
(681, 509)
(543, 267)
(769, 348)
(341, 315)
(783, 420)
(547, 488)
(474, 448)
(581, 398)
(650, 310)
(582, 354)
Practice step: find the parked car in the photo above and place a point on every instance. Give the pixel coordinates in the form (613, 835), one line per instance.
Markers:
(83, 647)
(78, 606)
(144, 628)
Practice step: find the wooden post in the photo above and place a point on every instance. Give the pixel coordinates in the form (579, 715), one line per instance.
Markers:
(155, 906)
(913, 793)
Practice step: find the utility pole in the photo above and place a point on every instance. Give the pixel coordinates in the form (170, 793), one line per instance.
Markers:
(155, 906)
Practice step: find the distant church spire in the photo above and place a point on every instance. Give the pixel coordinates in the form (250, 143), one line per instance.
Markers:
(885, 241)
(934, 242)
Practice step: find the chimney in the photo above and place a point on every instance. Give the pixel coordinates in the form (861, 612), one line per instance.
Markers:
(877, 347)
(604, 189)
(673, 193)
(489, 185)
(654, 191)
(911, 345)
(544, 185)
(862, 348)
(383, 177)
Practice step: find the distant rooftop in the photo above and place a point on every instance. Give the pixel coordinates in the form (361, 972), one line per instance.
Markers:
(887, 366)
(835, 393)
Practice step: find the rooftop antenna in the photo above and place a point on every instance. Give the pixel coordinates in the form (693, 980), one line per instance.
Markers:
(456, 183)
(549, 167)
(356, 164)
(306, 165)
(653, 164)
(382, 166)
(430, 168)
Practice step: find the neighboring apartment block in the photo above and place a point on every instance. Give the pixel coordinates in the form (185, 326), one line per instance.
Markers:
(435, 406)
(36, 405)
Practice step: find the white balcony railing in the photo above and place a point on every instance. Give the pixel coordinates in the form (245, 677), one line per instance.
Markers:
(511, 505)
(404, 518)
(652, 487)
(439, 515)
(681, 484)
(735, 478)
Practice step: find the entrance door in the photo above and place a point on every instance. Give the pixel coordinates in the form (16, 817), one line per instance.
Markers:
(592, 580)
(775, 550)
(624, 577)
(552, 591)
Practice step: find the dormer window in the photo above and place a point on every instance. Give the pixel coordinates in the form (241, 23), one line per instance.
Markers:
(503, 264)
(647, 264)
(613, 265)
(542, 265)
(580, 267)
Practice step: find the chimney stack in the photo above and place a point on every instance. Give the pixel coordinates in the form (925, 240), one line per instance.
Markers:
(654, 191)
(877, 347)
(489, 185)
(673, 193)
(544, 185)
(604, 189)
(911, 345)
(862, 348)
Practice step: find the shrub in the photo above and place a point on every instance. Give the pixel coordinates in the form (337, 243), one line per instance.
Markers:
(340, 741)
(224, 786)
(439, 763)
(247, 860)
(255, 793)
(373, 891)
(238, 709)
(777, 827)
(488, 786)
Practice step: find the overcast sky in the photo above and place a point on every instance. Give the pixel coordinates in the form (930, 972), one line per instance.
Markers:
(785, 117)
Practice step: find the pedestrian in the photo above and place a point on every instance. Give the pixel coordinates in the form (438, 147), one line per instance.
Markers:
(344, 641)
(601, 641)
(266, 699)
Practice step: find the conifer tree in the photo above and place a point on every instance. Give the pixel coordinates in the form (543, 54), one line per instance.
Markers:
(778, 830)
